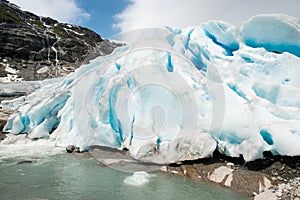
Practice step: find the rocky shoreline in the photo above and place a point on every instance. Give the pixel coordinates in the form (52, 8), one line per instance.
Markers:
(288, 190)
(279, 179)
(274, 177)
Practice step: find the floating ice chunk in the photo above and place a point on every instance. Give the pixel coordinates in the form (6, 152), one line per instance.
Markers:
(138, 179)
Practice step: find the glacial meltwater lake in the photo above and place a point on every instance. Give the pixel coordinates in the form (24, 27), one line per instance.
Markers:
(64, 176)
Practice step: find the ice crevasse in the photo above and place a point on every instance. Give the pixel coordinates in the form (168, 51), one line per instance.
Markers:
(178, 94)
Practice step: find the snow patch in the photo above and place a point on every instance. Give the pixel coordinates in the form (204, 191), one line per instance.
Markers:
(43, 70)
(70, 30)
(10, 78)
(11, 70)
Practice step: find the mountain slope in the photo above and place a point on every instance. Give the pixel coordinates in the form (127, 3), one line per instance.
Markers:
(35, 48)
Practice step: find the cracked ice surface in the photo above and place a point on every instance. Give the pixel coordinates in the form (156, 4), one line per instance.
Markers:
(178, 94)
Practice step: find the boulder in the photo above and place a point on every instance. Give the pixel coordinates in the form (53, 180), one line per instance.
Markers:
(70, 148)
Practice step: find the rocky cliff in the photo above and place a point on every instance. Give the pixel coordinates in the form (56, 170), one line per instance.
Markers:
(34, 47)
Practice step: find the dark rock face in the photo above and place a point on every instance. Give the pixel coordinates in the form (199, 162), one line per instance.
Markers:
(2, 123)
(2, 136)
(41, 47)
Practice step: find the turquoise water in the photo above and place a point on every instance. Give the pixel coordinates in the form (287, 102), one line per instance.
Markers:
(65, 176)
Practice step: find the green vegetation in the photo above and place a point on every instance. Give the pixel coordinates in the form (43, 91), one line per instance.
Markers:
(37, 23)
(59, 30)
(6, 14)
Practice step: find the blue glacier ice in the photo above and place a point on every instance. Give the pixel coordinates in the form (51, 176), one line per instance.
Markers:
(275, 33)
(178, 94)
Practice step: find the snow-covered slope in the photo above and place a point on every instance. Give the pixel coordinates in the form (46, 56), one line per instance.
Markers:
(178, 94)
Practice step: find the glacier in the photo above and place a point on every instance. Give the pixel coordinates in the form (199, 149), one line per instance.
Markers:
(178, 94)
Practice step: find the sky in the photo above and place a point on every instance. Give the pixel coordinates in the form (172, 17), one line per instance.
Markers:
(110, 17)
